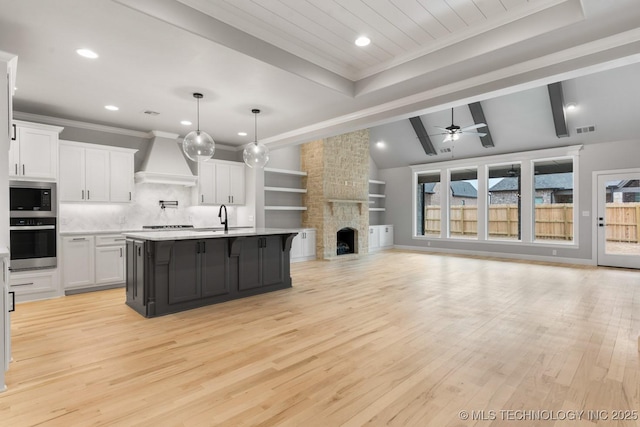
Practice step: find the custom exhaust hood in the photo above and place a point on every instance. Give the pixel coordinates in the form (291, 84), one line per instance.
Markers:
(165, 163)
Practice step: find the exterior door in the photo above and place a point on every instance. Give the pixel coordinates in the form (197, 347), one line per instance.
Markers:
(619, 219)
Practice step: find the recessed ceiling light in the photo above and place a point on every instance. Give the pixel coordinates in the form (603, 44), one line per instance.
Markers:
(111, 107)
(87, 53)
(362, 41)
(571, 106)
(242, 134)
(186, 123)
(380, 144)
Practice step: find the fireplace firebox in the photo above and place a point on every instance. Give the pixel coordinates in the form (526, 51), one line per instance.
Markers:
(346, 241)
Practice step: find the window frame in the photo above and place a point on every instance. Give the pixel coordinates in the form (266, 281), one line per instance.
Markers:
(526, 160)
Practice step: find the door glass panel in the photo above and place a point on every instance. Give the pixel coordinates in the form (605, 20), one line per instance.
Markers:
(622, 217)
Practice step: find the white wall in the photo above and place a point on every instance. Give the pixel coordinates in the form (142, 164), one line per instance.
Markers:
(593, 157)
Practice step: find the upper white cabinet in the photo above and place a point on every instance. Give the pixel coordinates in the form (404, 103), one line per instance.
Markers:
(95, 173)
(121, 176)
(230, 183)
(206, 188)
(33, 155)
(220, 183)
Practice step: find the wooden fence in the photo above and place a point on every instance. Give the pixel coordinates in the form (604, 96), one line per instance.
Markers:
(553, 222)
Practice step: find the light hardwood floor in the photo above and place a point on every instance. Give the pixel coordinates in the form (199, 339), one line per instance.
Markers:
(393, 338)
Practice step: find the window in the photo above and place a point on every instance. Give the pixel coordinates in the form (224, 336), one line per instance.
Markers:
(429, 196)
(553, 197)
(504, 210)
(463, 203)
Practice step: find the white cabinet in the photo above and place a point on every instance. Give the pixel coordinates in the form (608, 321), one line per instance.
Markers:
(95, 173)
(386, 236)
(78, 261)
(5, 320)
(120, 176)
(230, 183)
(33, 155)
(34, 285)
(109, 259)
(374, 238)
(93, 261)
(380, 237)
(220, 182)
(206, 188)
(303, 246)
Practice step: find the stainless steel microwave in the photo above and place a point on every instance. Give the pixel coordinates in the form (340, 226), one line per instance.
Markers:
(32, 199)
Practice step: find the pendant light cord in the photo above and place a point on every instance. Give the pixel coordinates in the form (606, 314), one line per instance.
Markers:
(198, 115)
(255, 129)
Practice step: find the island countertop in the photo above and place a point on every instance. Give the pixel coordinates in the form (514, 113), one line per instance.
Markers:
(205, 233)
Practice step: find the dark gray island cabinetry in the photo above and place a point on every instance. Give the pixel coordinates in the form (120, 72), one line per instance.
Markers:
(171, 271)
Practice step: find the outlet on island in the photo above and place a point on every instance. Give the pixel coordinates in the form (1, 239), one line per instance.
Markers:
(122, 220)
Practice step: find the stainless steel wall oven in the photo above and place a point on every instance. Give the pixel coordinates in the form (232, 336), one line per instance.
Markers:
(33, 225)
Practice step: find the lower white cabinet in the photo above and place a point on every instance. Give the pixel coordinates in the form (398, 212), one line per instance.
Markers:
(93, 261)
(77, 261)
(303, 246)
(110, 259)
(380, 237)
(34, 285)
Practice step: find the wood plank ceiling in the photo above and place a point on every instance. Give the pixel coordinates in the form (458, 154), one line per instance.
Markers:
(323, 31)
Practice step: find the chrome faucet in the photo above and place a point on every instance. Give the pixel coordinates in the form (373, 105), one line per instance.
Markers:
(226, 218)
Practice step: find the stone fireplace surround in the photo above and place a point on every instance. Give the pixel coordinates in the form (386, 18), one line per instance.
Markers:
(337, 186)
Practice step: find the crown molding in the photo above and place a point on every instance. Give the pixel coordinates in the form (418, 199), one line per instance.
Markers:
(78, 124)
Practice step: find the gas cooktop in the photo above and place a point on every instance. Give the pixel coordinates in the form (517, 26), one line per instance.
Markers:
(165, 227)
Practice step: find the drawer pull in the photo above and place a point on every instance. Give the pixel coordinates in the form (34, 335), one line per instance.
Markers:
(21, 284)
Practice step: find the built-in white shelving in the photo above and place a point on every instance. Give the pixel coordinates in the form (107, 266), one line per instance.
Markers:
(376, 195)
(285, 171)
(285, 208)
(284, 186)
(286, 189)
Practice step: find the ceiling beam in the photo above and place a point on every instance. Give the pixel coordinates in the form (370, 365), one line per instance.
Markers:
(478, 117)
(557, 109)
(423, 137)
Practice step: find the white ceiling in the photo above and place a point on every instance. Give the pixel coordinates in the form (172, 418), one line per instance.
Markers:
(296, 61)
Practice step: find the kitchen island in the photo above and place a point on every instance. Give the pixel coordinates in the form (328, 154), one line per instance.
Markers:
(177, 270)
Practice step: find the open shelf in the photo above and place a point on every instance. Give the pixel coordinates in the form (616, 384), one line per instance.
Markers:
(286, 189)
(285, 208)
(377, 195)
(376, 209)
(375, 181)
(285, 171)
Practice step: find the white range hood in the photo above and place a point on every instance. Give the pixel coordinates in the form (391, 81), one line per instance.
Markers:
(165, 163)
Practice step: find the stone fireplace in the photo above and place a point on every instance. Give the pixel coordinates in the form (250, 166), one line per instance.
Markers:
(337, 184)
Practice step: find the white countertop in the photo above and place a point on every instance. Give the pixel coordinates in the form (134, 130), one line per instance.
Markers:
(132, 230)
(186, 234)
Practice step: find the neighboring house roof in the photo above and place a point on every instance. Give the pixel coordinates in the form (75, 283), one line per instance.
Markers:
(458, 189)
(562, 181)
(463, 189)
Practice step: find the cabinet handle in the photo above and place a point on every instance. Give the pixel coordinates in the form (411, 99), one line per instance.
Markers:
(197, 247)
(82, 194)
(139, 250)
(88, 194)
(129, 195)
(119, 240)
(77, 239)
(120, 252)
(21, 284)
(16, 169)
(23, 172)
(15, 133)
(202, 198)
(204, 247)
(231, 199)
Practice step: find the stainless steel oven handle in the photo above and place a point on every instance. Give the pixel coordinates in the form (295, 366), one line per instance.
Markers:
(31, 227)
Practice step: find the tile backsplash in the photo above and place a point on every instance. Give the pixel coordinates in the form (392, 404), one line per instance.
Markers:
(145, 210)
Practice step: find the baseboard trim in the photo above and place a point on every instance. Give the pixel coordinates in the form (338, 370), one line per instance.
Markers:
(521, 257)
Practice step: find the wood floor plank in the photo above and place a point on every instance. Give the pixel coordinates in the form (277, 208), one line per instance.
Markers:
(393, 338)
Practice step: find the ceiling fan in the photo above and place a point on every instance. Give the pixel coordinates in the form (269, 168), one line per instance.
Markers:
(453, 132)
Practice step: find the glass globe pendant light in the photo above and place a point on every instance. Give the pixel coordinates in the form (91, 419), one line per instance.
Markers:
(198, 145)
(256, 154)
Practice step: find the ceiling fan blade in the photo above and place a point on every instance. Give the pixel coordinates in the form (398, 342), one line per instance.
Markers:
(476, 126)
(474, 133)
(441, 128)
